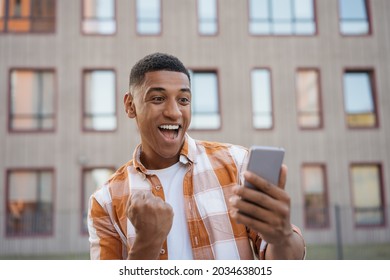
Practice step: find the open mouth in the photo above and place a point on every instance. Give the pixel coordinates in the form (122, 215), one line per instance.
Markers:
(170, 131)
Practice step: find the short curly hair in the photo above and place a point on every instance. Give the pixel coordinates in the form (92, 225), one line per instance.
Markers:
(155, 62)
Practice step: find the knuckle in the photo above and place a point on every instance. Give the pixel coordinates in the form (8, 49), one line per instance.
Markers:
(266, 186)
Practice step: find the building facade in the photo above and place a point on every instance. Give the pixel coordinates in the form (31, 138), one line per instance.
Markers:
(311, 76)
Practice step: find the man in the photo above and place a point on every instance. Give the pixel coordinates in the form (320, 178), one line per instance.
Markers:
(179, 198)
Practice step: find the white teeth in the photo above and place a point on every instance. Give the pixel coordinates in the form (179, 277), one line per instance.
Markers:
(170, 127)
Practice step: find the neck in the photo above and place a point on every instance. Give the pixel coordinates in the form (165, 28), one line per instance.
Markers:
(156, 163)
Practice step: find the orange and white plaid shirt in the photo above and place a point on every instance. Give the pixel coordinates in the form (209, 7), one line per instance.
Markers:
(213, 169)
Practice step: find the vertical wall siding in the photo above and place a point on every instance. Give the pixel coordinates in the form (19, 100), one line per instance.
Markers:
(233, 53)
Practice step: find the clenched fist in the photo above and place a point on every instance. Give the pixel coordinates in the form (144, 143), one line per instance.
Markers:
(152, 219)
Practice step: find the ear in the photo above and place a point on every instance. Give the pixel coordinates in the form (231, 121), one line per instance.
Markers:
(128, 101)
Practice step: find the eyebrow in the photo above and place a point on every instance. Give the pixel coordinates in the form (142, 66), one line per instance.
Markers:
(186, 90)
(161, 89)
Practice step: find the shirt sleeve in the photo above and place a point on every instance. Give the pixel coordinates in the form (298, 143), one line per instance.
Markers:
(105, 242)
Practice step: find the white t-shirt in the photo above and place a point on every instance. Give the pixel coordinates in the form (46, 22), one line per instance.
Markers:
(179, 243)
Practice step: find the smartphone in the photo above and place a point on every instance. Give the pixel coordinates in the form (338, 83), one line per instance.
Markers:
(266, 162)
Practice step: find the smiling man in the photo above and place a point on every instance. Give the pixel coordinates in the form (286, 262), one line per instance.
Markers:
(161, 106)
(180, 198)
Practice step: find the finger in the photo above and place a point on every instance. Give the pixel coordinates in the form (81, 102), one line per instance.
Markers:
(256, 225)
(254, 197)
(283, 176)
(250, 209)
(254, 203)
(260, 183)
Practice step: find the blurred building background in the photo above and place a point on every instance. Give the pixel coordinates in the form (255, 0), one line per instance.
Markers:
(312, 76)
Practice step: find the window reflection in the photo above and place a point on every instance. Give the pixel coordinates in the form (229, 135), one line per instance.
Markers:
(148, 17)
(207, 16)
(27, 16)
(353, 17)
(99, 100)
(261, 99)
(204, 100)
(281, 17)
(29, 203)
(99, 16)
(367, 198)
(32, 100)
(308, 99)
(316, 204)
(359, 100)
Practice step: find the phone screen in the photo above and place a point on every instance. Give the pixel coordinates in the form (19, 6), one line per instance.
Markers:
(266, 162)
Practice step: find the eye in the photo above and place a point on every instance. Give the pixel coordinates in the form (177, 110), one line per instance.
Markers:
(184, 100)
(157, 99)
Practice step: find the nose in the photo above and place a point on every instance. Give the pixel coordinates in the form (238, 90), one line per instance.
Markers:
(172, 110)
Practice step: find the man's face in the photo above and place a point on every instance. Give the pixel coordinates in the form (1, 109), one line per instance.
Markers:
(162, 109)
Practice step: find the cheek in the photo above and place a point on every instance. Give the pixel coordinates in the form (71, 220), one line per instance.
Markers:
(187, 113)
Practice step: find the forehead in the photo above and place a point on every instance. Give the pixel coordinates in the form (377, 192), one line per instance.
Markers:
(166, 79)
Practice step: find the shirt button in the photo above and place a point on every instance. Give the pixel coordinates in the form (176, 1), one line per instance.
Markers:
(162, 252)
(158, 187)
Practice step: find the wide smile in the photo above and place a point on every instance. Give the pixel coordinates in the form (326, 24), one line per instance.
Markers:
(170, 131)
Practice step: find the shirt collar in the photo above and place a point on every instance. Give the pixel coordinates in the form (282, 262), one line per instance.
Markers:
(187, 154)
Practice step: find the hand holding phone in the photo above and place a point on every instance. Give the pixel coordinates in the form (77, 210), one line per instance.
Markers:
(265, 162)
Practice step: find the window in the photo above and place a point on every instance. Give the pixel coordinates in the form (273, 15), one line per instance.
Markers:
(32, 100)
(354, 17)
(204, 102)
(359, 102)
(281, 17)
(93, 178)
(308, 99)
(27, 15)
(148, 17)
(99, 100)
(207, 17)
(316, 202)
(99, 17)
(29, 202)
(261, 99)
(367, 194)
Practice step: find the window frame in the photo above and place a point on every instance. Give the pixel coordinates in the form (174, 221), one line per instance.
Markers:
(319, 99)
(293, 20)
(193, 70)
(54, 105)
(30, 19)
(272, 105)
(369, 21)
(371, 73)
(381, 190)
(325, 194)
(53, 200)
(83, 100)
(114, 19)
